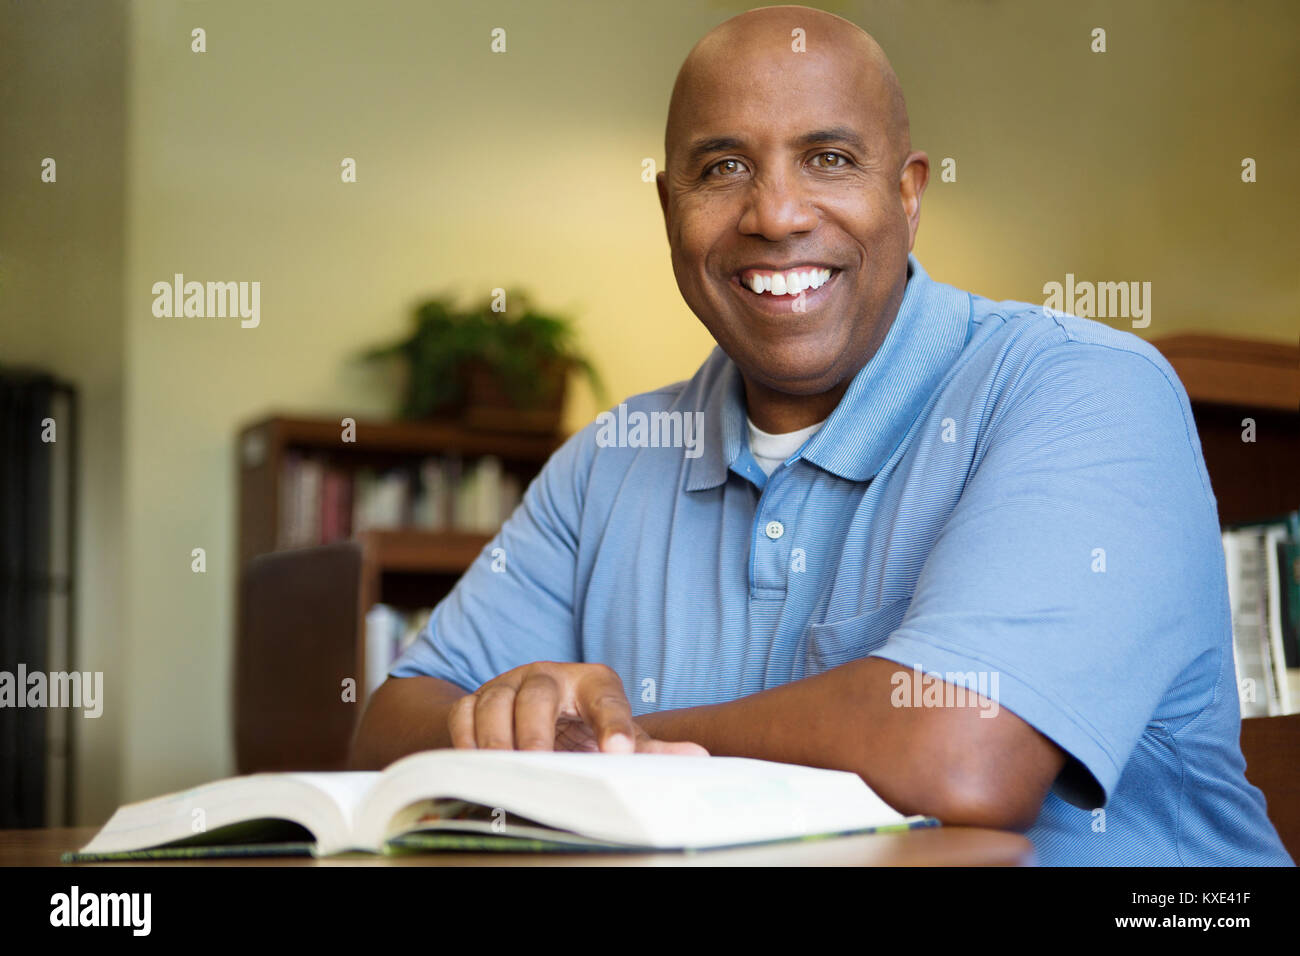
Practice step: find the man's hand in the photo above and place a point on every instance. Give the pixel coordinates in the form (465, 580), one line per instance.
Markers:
(552, 706)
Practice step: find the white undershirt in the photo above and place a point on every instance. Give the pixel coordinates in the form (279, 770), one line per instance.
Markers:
(771, 450)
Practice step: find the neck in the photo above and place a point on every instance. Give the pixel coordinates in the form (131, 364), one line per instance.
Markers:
(779, 412)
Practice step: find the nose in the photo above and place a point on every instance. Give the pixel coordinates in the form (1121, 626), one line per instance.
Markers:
(777, 206)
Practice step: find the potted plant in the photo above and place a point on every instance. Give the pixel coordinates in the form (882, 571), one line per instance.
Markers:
(500, 369)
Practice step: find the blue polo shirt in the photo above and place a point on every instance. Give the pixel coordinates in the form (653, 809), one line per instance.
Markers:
(1004, 499)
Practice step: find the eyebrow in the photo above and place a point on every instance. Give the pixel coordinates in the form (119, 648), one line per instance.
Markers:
(821, 137)
(835, 134)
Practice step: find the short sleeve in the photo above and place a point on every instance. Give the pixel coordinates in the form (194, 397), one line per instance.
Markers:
(515, 603)
(1081, 566)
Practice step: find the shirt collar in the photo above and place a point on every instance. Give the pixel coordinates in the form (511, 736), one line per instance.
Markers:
(878, 407)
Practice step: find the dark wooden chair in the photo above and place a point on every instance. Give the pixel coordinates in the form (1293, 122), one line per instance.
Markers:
(300, 614)
(1271, 746)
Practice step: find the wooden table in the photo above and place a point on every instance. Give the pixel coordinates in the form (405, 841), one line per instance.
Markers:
(940, 846)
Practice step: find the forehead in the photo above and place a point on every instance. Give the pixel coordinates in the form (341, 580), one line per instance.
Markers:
(769, 91)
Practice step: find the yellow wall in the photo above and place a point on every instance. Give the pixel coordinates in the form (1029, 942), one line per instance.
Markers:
(479, 170)
(1115, 166)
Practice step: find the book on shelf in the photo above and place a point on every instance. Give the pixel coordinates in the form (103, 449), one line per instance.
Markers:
(321, 503)
(389, 632)
(335, 506)
(433, 501)
(501, 800)
(1262, 560)
(486, 496)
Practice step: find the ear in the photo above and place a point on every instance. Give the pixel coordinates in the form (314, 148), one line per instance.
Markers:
(661, 184)
(911, 184)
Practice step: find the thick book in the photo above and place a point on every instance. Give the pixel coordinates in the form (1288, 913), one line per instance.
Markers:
(1251, 653)
(501, 800)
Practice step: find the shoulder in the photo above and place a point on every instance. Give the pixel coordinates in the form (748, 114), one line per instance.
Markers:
(1036, 348)
(595, 447)
(1082, 381)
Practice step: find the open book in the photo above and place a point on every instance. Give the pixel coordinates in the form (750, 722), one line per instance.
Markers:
(500, 800)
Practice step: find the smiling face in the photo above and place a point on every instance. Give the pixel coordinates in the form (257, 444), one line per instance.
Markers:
(791, 201)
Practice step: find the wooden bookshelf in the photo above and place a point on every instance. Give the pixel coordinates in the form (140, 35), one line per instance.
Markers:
(1228, 380)
(1231, 379)
(309, 603)
(264, 445)
(1216, 369)
(443, 552)
(407, 568)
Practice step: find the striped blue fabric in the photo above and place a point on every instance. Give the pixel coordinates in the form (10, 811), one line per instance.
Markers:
(1003, 496)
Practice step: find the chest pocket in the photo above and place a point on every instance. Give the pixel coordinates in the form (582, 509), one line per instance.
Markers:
(830, 645)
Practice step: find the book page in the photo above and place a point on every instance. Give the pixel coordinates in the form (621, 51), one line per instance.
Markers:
(347, 788)
(638, 799)
(324, 804)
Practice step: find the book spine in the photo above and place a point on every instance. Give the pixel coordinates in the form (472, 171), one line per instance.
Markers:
(311, 476)
(430, 504)
(329, 502)
(1272, 611)
(288, 504)
(1256, 585)
(382, 623)
(490, 495)
(346, 484)
(466, 493)
(363, 491)
(1288, 560)
(1248, 646)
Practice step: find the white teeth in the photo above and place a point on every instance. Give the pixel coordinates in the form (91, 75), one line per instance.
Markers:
(789, 283)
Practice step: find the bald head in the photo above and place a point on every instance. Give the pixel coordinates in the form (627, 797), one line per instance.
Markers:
(788, 42)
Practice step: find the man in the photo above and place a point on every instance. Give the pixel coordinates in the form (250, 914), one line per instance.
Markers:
(903, 491)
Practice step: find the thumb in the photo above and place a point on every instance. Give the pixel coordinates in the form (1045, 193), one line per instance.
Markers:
(682, 748)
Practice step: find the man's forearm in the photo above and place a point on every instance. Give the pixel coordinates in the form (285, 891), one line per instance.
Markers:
(948, 762)
(403, 716)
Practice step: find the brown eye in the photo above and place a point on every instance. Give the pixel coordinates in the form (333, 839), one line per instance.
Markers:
(835, 159)
(726, 166)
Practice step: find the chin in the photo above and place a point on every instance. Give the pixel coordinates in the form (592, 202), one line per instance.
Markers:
(806, 376)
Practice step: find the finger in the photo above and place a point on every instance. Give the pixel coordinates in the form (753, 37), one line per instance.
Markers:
(576, 736)
(683, 748)
(494, 716)
(537, 705)
(460, 723)
(602, 703)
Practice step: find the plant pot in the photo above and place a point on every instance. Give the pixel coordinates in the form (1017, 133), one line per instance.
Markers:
(489, 405)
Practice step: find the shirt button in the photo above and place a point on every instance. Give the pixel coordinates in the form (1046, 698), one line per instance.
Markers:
(775, 529)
